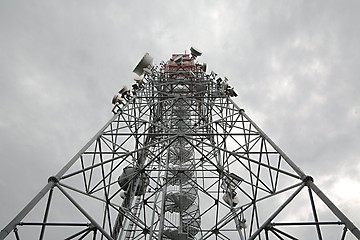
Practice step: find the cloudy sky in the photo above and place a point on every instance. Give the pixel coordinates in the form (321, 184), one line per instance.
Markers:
(294, 64)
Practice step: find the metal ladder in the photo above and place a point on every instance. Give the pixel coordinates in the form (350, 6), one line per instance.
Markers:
(136, 211)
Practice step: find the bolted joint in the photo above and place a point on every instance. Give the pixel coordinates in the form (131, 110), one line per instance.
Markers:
(53, 179)
(220, 170)
(307, 179)
(241, 110)
(269, 226)
(216, 231)
(146, 231)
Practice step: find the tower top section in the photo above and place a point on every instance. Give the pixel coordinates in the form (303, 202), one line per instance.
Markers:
(181, 74)
(185, 61)
(180, 61)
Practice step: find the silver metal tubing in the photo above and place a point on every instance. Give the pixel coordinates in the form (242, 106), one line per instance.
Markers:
(77, 205)
(263, 134)
(335, 210)
(26, 210)
(50, 184)
(267, 222)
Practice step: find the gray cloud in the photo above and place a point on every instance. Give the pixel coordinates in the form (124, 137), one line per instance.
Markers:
(294, 65)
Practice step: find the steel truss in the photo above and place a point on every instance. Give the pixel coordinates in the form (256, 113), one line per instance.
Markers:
(197, 167)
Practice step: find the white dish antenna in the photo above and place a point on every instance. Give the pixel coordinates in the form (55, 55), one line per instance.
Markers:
(195, 52)
(145, 62)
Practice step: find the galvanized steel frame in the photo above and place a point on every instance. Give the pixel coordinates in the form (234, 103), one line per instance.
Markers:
(227, 141)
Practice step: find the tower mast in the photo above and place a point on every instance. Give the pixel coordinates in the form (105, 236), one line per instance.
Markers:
(180, 160)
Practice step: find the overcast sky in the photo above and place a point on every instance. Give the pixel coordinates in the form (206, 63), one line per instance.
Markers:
(294, 64)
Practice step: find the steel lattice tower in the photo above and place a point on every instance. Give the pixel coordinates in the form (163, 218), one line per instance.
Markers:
(180, 160)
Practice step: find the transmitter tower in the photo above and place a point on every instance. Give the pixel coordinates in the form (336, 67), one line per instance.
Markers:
(179, 160)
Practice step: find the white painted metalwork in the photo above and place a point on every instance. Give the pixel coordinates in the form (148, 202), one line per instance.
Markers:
(180, 160)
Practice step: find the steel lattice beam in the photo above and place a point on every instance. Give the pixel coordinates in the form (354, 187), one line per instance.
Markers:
(188, 163)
